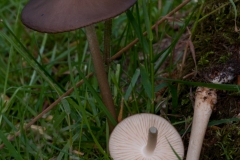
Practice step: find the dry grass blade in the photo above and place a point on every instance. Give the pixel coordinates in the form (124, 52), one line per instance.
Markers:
(192, 50)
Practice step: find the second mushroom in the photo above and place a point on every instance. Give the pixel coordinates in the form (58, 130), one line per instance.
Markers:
(146, 137)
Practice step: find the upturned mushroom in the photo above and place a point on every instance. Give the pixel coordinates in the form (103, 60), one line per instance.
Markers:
(146, 137)
(54, 16)
(204, 102)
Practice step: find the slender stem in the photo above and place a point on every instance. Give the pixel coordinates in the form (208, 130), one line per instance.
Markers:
(205, 99)
(100, 72)
(152, 141)
(107, 40)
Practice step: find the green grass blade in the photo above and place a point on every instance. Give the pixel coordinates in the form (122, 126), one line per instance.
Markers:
(160, 58)
(147, 20)
(83, 111)
(230, 87)
(18, 46)
(10, 147)
(223, 121)
(146, 82)
(132, 84)
(137, 29)
(98, 99)
(179, 158)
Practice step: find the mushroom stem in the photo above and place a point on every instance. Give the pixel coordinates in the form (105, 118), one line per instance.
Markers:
(100, 72)
(152, 141)
(204, 102)
(107, 40)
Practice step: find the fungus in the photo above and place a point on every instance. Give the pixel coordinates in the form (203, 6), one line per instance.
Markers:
(224, 73)
(145, 136)
(204, 102)
(54, 16)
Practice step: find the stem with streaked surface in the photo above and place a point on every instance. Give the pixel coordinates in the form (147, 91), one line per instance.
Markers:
(100, 72)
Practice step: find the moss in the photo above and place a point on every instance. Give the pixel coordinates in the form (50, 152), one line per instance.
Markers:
(217, 44)
(226, 143)
(214, 38)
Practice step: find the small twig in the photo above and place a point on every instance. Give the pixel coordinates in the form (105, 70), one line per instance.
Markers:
(189, 75)
(119, 53)
(120, 115)
(189, 45)
(184, 58)
(187, 129)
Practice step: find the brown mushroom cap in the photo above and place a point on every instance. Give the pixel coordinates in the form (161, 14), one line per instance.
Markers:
(54, 16)
(129, 139)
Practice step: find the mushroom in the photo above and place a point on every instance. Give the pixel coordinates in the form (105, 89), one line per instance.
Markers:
(145, 136)
(54, 16)
(204, 102)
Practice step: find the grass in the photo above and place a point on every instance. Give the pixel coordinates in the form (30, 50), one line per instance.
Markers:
(36, 69)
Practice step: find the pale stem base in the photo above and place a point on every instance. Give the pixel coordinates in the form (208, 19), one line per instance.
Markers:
(205, 99)
(152, 141)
